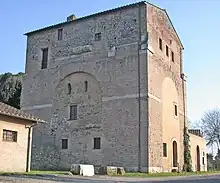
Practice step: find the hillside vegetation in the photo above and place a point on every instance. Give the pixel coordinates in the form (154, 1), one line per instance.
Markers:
(10, 89)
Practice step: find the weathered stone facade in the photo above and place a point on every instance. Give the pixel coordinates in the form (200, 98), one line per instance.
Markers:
(132, 89)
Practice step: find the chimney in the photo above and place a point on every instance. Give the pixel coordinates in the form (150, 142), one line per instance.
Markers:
(71, 18)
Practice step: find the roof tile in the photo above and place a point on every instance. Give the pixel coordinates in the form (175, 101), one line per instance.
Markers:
(11, 111)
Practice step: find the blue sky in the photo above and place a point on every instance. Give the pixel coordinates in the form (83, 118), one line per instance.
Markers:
(196, 21)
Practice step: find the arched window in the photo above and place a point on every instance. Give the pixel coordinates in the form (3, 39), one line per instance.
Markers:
(86, 86)
(175, 154)
(197, 158)
(69, 88)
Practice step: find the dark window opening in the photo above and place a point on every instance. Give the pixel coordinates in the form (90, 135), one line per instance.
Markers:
(60, 34)
(172, 55)
(203, 160)
(73, 112)
(69, 88)
(98, 36)
(175, 153)
(176, 112)
(167, 51)
(160, 44)
(164, 150)
(64, 143)
(44, 58)
(86, 86)
(10, 136)
(97, 143)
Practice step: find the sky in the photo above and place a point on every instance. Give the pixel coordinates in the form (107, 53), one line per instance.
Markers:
(196, 21)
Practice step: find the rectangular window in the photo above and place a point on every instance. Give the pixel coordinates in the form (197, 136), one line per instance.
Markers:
(98, 36)
(175, 108)
(64, 143)
(172, 55)
(60, 34)
(164, 150)
(10, 136)
(97, 143)
(86, 86)
(73, 112)
(167, 51)
(44, 58)
(160, 44)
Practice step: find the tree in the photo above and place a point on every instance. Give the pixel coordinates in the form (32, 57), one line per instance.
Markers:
(187, 154)
(10, 88)
(210, 126)
(14, 99)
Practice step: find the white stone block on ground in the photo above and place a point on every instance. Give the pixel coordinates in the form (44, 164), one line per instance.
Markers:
(87, 170)
(84, 170)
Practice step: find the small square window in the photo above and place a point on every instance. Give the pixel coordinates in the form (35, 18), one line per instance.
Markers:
(60, 34)
(97, 143)
(176, 111)
(164, 150)
(172, 56)
(98, 36)
(73, 112)
(64, 143)
(160, 44)
(167, 51)
(10, 136)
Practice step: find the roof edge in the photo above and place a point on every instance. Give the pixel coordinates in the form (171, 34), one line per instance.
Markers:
(87, 16)
(174, 29)
(19, 117)
(169, 20)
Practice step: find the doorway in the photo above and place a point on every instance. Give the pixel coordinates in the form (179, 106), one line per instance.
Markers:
(175, 164)
(197, 158)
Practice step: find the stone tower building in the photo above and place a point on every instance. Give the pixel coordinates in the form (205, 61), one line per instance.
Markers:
(111, 88)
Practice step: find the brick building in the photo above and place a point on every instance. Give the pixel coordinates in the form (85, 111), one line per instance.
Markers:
(112, 88)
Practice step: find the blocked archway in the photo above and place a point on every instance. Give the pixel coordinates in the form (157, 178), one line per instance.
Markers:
(171, 124)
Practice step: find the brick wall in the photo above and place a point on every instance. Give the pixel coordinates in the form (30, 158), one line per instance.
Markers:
(165, 91)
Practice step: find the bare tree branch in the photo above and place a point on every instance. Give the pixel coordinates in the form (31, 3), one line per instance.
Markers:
(210, 126)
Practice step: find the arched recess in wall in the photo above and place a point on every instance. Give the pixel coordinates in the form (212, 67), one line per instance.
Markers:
(79, 72)
(170, 118)
(80, 89)
(175, 79)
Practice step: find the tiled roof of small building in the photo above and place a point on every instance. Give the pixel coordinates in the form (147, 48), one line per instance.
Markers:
(13, 112)
(196, 132)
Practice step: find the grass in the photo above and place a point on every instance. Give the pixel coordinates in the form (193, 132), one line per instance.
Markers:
(167, 174)
(34, 172)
